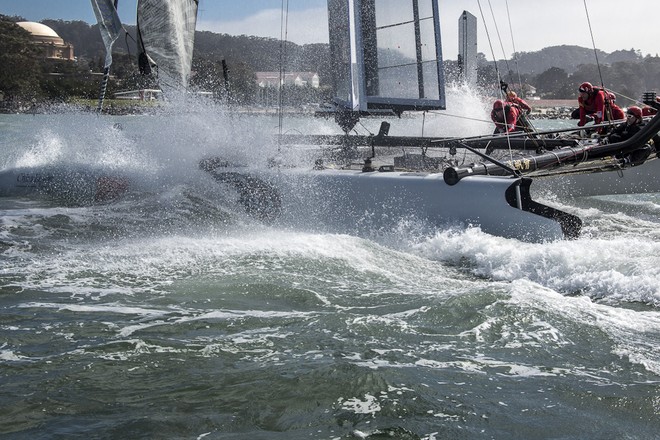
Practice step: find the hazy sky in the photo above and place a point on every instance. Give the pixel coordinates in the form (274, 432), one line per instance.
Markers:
(535, 24)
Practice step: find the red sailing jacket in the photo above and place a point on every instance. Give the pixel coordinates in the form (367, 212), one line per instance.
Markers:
(512, 113)
(595, 105)
(520, 103)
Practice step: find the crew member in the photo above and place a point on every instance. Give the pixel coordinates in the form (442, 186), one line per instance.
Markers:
(647, 110)
(505, 117)
(514, 99)
(597, 104)
(524, 110)
(629, 128)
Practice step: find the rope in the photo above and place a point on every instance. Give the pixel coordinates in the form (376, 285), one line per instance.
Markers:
(593, 43)
(490, 44)
(284, 30)
(608, 107)
(635, 100)
(513, 43)
(423, 122)
(497, 29)
(499, 78)
(437, 112)
(527, 126)
(106, 72)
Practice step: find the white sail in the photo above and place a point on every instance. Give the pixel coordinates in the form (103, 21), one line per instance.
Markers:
(166, 34)
(109, 25)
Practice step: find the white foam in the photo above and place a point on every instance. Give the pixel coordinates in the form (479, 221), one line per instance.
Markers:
(11, 356)
(102, 308)
(634, 333)
(618, 269)
(366, 405)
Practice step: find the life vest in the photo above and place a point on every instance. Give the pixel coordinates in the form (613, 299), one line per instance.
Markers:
(609, 96)
(506, 121)
(601, 105)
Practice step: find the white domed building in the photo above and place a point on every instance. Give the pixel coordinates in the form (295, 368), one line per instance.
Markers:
(54, 47)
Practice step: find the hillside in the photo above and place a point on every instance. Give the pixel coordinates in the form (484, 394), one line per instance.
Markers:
(568, 58)
(262, 54)
(553, 71)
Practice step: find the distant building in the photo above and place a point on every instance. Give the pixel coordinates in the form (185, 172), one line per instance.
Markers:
(53, 47)
(299, 79)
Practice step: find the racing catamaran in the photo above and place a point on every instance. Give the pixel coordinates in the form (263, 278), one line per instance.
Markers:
(386, 59)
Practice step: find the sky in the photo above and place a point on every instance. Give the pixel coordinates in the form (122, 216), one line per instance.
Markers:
(523, 25)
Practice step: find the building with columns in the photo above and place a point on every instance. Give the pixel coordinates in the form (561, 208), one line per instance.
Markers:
(53, 47)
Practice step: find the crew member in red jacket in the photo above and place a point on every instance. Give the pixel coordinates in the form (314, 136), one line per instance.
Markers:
(597, 104)
(647, 110)
(513, 98)
(524, 109)
(505, 117)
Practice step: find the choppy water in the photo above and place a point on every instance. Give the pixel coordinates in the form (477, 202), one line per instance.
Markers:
(167, 315)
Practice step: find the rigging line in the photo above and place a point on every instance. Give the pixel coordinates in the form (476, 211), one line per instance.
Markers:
(449, 115)
(284, 23)
(608, 108)
(593, 43)
(499, 37)
(513, 43)
(623, 95)
(365, 128)
(423, 122)
(379, 28)
(413, 63)
(490, 44)
(106, 71)
(515, 58)
(497, 71)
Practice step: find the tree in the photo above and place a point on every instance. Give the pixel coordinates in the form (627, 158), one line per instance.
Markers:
(552, 83)
(626, 82)
(242, 83)
(207, 76)
(651, 73)
(19, 70)
(486, 73)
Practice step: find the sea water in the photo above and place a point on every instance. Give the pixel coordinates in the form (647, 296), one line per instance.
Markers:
(165, 314)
